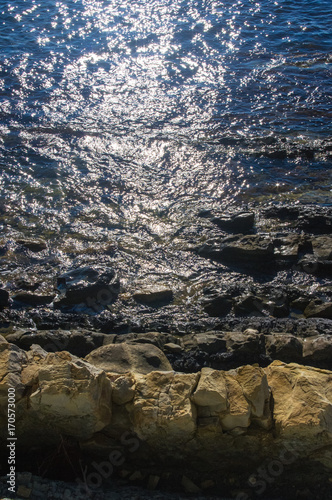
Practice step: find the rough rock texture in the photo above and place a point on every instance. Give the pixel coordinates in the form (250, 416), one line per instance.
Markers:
(206, 423)
(121, 358)
(58, 393)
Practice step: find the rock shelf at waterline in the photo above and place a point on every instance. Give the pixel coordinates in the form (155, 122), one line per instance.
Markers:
(144, 425)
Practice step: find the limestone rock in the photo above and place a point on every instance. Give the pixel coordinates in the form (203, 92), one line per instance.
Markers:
(238, 414)
(123, 358)
(211, 389)
(123, 388)
(74, 396)
(255, 388)
(162, 411)
(210, 342)
(174, 348)
(302, 400)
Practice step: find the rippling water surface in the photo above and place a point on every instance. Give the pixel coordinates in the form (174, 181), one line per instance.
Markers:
(122, 119)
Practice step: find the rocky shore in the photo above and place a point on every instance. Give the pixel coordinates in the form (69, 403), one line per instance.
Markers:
(211, 380)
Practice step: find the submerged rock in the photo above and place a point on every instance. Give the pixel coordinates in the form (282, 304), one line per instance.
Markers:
(96, 287)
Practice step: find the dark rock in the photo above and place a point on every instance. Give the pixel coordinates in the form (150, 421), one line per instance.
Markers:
(315, 309)
(154, 297)
(284, 347)
(316, 223)
(122, 358)
(77, 342)
(246, 345)
(248, 304)
(287, 247)
(253, 251)
(317, 350)
(4, 298)
(210, 342)
(33, 299)
(218, 306)
(95, 286)
(242, 222)
(34, 245)
(155, 338)
(322, 247)
(282, 212)
(300, 303)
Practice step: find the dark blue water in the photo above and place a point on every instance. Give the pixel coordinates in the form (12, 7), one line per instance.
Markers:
(121, 118)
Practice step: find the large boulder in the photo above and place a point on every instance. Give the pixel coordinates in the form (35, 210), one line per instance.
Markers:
(123, 358)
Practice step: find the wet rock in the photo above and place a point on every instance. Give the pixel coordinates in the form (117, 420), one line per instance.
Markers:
(242, 222)
(248, 304)
(284, 347)
(287, 247)
(317, 223)
(33, 299)
(34, 245)
(4, 298)
(154, 296)
(96, 287)
(123, 358)
(251, 251)
(316, 309)
(217, 306)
